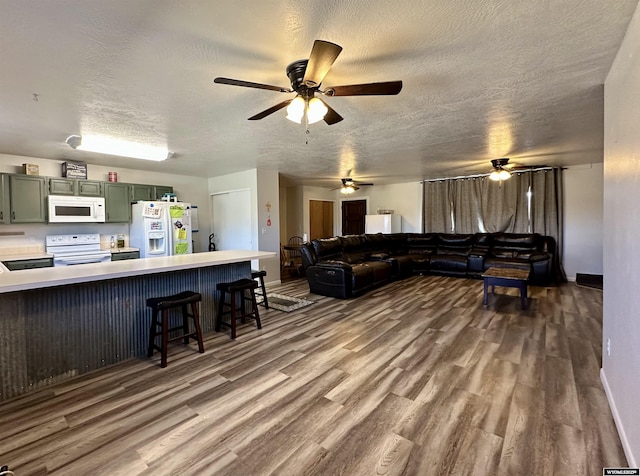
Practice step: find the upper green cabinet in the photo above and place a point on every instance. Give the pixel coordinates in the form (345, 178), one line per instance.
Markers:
(4, 198)
(141, 192)
(86, 188)
(90, 188)
(27, 198)
(117, 202)
(160, 190)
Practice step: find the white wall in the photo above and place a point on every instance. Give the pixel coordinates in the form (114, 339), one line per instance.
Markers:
(269, 221)
(583, 224)
(621, 313)
(404, 199)
(264, 188)
(189, 189)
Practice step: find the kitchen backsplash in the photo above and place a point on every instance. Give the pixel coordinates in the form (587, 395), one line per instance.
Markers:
(25, 239)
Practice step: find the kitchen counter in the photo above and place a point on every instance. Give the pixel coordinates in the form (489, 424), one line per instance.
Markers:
(126, 249)
(28, 255)
(60, 322)
(47, 277)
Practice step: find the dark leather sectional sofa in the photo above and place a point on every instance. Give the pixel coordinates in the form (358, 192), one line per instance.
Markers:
(346, 266)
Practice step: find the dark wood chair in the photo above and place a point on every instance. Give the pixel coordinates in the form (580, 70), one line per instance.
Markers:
(288, 266)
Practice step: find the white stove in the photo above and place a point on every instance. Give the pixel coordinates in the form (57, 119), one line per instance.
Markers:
(76, 249)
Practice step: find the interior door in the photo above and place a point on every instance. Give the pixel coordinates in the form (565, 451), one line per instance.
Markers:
(320, 219)
(353, 212)
(231, 221)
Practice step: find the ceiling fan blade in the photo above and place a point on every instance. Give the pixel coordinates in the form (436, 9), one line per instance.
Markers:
(364, 184)
(331, 117)
(387, 88)
(271, 110)
(248, 84)
(323, 54)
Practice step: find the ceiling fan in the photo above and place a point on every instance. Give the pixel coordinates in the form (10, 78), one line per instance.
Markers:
(306, 76)
(502, 169)
(349, 186)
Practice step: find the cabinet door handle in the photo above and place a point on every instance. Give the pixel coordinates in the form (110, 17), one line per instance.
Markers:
(1, 214)
(13, 215)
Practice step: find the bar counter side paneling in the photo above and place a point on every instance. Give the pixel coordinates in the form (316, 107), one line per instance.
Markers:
(52, 333)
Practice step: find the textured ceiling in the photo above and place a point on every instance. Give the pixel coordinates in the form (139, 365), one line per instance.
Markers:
(482, 79)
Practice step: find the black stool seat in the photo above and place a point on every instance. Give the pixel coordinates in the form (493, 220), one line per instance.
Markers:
(237, 291)
(259, 275)
(162, 305)
(185, 297)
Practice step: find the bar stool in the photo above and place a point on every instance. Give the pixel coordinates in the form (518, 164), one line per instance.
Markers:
(259, 275)
(237, 292)
(181, 300)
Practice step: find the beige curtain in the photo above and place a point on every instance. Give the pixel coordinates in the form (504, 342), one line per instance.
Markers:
(437, 208)
(467, 205)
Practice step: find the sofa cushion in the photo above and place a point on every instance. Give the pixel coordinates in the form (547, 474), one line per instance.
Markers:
(419, 243)
(354, 249)
(516, 240)
(327, 248)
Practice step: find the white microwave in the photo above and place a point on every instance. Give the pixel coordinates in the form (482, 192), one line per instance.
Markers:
(74, 209)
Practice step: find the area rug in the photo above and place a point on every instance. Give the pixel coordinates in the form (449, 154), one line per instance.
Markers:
(286, 303)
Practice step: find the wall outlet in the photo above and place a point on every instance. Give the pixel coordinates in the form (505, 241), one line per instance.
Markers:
(608, 347)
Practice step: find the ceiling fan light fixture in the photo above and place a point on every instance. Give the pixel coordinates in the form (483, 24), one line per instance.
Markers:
(499, 173)
(347, 190)
(295, 109)
(316, 110)
(122, 148)
(504, 174)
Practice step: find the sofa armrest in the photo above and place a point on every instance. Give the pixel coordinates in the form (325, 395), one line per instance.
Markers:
(539, 256)
(334, 264)
(379, 256)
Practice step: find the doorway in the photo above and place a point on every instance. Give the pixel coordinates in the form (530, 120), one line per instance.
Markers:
(353, 212)
(231, 221)
(320, 219)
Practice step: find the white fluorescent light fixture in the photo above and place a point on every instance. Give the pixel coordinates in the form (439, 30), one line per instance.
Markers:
(123, 148)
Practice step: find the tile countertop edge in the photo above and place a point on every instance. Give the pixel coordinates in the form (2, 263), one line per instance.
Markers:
(11, 281)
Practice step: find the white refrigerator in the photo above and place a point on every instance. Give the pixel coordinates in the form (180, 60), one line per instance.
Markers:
(161, 228)
(382, 223)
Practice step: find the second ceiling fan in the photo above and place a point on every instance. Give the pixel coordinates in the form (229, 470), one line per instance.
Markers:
(306, 77)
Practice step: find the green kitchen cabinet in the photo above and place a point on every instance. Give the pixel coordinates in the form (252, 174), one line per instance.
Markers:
(27, 198)
(4, 198)
(17, 265)
(160, 190)
(90, 188)
(141, 192)
(117, 202)
(85, 188)
(122, 255)
(62, 186)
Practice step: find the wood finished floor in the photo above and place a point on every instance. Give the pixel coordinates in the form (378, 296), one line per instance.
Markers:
(415, 378)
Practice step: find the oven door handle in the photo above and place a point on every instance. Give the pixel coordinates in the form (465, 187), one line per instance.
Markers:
(66, 261)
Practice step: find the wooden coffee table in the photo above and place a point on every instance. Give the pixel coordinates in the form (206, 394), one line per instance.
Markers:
(511, 278)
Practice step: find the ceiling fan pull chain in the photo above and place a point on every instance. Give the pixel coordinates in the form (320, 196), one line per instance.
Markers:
(306, 124)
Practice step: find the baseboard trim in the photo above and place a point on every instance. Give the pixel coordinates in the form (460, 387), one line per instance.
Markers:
(631, 460)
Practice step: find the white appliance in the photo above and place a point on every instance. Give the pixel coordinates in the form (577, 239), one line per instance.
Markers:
(73, 209)
(383, 223)
(161, 228)
(76, 249)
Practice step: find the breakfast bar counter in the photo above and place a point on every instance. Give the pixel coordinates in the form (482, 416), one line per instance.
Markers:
(56, 323)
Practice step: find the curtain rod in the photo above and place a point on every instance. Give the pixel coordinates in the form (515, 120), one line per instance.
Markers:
(532, 169)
